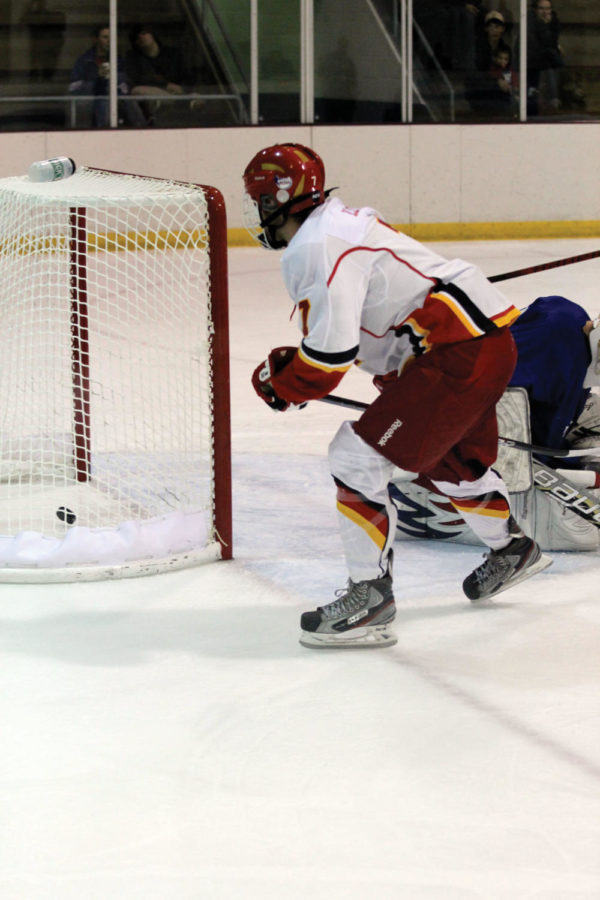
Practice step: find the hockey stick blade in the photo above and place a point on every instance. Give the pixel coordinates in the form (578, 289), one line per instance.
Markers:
(508, 442)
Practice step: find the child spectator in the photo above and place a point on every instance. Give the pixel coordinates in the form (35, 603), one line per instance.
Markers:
(503, 74)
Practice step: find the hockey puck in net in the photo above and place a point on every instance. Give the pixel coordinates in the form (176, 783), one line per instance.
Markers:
(66, 515)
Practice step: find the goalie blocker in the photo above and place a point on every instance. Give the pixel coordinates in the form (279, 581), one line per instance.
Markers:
(550, 504)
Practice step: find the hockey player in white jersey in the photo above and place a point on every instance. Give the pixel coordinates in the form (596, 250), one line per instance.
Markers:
(434, 333)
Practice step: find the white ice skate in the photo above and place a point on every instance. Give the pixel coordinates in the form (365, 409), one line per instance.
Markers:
(360, 617)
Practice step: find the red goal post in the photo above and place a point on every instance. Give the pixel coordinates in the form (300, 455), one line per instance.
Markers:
(114, 380)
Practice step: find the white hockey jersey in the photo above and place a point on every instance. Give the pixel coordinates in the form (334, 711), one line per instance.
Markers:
(369, 295)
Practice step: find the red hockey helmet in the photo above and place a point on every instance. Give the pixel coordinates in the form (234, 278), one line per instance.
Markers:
(281, 180)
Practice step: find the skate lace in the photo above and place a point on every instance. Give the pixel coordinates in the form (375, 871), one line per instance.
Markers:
(494, 566)
(348, 600)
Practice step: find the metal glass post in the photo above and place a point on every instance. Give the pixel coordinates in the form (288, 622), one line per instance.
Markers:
(307, 68)
(409, 60)
(523, 61)
(403, 55)
(113, 74)
(254, 62)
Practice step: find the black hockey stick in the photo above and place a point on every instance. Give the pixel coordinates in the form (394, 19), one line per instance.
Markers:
(541, 267)
(508, 442)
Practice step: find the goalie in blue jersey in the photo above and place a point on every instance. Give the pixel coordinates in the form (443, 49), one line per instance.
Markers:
(557, 370)
(556, 365)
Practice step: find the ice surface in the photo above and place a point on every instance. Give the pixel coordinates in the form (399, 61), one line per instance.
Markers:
(167, 738)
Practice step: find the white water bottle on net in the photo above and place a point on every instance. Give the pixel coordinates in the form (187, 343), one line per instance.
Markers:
(52, 169)
(114, 377)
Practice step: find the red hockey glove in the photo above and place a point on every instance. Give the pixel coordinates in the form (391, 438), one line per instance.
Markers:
(382, 381)
(262, 375)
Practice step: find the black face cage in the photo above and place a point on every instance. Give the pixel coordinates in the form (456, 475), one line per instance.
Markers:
(285, 209)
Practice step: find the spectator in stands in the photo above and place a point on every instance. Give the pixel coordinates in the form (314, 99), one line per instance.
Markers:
(503, 73)
(490, 88)
(90, 75)
(153, 68)
(464, 20)
(544, 58)
(490, 39)
(497, 88)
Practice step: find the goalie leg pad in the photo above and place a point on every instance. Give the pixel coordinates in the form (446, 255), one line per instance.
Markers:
(585, 432)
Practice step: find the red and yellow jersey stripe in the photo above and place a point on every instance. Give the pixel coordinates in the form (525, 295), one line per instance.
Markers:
(448, 316)
(312, 374)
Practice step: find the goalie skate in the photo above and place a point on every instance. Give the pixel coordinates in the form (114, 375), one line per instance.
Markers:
(359, 617)
(506, 568)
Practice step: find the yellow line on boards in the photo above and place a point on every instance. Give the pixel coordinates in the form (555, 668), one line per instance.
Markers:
(239, 237)
(470, 231)
(108, 241)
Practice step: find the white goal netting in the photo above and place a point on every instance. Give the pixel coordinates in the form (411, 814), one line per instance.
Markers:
(107, 374)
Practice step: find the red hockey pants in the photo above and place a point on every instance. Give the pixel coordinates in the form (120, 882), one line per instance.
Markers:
(438, 417)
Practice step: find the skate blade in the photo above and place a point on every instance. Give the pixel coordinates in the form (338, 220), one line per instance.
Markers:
(539, 565)
(357, 638)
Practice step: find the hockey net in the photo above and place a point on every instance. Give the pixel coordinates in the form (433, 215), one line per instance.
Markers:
(114, 379)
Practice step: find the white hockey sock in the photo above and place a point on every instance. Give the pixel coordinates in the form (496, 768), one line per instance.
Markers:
(484, 505)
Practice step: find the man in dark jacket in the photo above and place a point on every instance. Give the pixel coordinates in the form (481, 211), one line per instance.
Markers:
(544, 57)
(153, 68)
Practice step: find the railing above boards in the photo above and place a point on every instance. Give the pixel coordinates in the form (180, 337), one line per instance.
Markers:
(73, 102)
